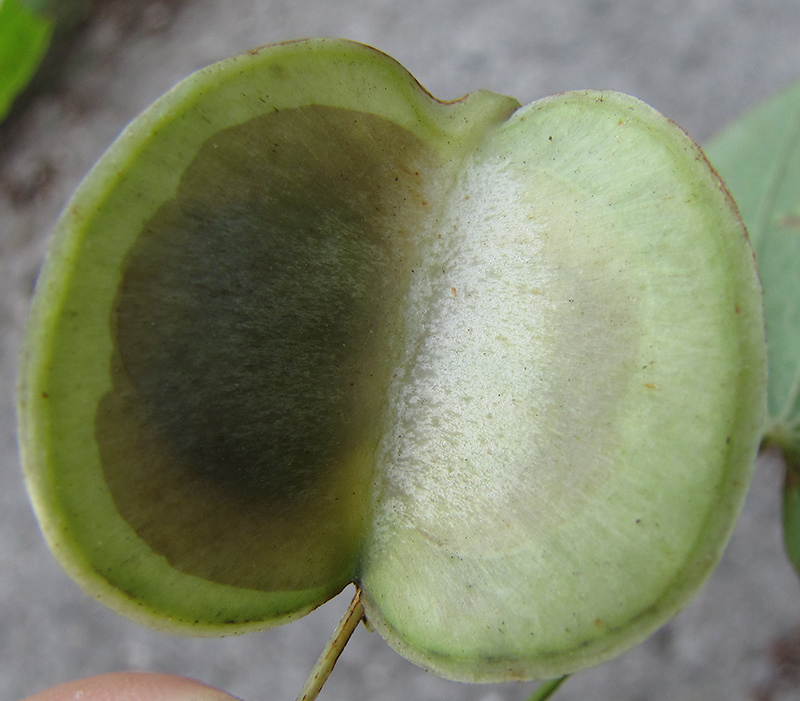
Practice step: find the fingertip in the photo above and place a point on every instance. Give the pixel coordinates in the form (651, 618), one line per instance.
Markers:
(132, 686)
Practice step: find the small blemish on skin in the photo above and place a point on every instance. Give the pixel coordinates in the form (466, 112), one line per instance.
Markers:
(650, 385)
(790, 222)
(452, 291)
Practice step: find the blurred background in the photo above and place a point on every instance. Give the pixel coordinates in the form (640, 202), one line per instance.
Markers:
(700, 62)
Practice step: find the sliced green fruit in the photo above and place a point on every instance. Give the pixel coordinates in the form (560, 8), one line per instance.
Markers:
(305, 325)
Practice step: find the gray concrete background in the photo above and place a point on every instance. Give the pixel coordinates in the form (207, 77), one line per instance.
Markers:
(701, 62)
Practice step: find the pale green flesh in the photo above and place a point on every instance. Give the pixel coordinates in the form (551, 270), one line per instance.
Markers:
(574, 431)
(313, 326)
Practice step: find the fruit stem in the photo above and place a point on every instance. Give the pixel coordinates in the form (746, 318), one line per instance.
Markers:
(546, 690)
(324, 666)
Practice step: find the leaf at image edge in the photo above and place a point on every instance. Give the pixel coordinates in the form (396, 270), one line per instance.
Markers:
(758, 157)
(24, 39)
(791, 513)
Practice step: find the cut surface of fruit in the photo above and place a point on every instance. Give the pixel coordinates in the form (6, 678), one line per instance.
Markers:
(305, 325)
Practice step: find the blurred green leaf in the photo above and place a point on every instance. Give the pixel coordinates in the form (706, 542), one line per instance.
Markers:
(759, 159)
(24, 38)
(791, 513)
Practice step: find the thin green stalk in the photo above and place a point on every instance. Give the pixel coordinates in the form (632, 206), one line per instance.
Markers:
(546, 690)
(324, 666)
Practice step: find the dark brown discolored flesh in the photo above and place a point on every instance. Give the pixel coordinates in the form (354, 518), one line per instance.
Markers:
(253, 328)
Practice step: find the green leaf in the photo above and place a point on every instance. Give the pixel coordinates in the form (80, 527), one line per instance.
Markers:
(759, 159)
(791, 514)
(24, 38)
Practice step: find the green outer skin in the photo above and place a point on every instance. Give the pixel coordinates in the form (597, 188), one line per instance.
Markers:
(56, 426)
(24, 38)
